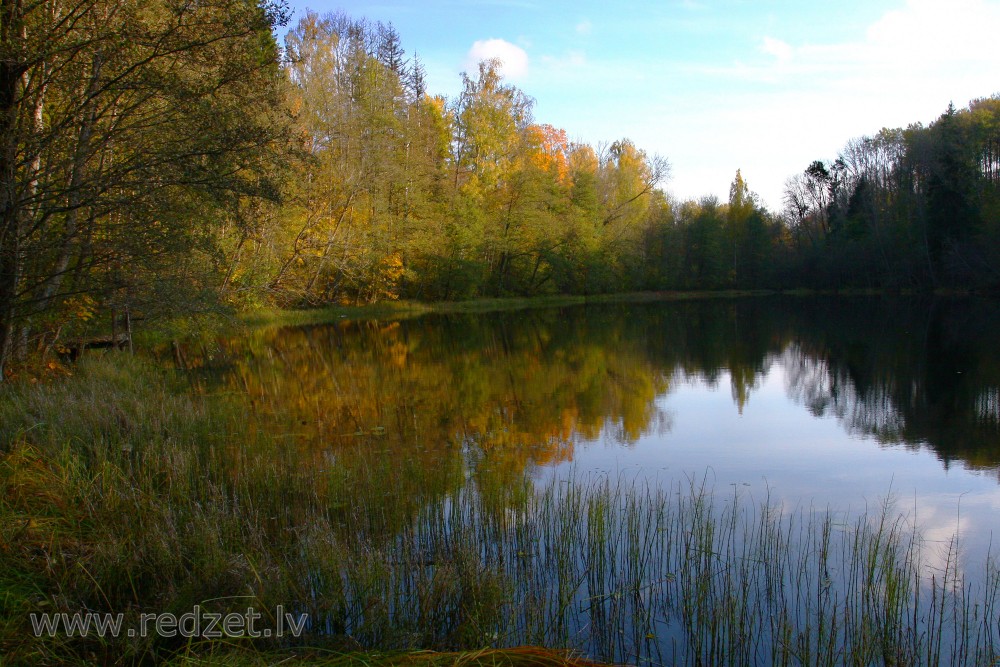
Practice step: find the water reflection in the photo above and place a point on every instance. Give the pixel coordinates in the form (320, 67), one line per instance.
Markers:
(510, 392)
(812, 404)
(506, 393)
(924, 375)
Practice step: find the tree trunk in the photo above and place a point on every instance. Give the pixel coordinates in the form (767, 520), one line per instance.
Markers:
(75, 202)
(11, 73)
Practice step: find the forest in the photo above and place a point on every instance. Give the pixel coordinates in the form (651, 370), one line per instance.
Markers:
(166, 157)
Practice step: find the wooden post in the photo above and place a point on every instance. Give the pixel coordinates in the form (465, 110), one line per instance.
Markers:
(114, 330)
(128, 330)
(178, 355)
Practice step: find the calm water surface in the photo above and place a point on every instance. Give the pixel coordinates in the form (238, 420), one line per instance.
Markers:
(803, 404)
(825, 403)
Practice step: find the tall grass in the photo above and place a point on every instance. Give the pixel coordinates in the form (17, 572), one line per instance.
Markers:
(125, 489)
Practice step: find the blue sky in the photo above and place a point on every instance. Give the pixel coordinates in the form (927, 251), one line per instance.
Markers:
(765, 87)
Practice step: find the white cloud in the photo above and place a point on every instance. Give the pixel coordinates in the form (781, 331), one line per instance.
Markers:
(514, 58)
(926, 47)
(584, 27)
(938, 36)
(795, 102)
(777, 48)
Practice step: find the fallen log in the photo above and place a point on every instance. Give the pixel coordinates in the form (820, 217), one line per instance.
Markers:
(74, 349)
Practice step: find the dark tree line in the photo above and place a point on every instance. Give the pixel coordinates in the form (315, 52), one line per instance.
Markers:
(915, 208)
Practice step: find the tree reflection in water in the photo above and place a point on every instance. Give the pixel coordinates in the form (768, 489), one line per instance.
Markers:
(507, 392)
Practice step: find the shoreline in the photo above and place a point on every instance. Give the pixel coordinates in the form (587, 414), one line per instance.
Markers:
(403, 309)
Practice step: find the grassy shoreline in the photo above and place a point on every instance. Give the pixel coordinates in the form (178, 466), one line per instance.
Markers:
(266, 317)
(404, 308)
(123, 489)
(523, 656)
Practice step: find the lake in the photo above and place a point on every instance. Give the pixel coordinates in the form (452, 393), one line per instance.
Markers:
(832, 406)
